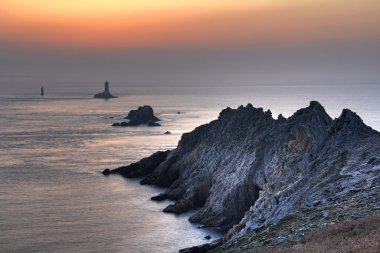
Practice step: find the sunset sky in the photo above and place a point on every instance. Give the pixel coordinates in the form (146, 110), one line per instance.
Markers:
(266, 35)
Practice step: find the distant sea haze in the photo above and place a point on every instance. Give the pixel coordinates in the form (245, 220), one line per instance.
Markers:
(279, 97)
(53, 198)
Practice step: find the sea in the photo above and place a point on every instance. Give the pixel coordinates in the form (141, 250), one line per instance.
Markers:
(53, 197)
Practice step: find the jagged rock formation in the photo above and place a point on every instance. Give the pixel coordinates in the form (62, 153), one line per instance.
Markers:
(143, 167)
(250, 170)
(143, 115)
(106, 93)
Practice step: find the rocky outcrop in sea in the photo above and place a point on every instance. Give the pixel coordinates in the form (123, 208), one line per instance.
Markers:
(249, 173)
(143, 115)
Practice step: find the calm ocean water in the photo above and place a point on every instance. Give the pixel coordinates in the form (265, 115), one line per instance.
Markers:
(52, 197)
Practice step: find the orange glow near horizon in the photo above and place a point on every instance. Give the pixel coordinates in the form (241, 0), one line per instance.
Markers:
(122, 24)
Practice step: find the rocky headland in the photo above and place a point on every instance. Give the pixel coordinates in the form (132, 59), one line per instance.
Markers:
(268, 181)
(143, 115)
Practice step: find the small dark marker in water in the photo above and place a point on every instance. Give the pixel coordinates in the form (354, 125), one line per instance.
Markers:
(42, 91)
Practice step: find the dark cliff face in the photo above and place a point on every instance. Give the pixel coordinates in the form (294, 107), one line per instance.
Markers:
(249, 169)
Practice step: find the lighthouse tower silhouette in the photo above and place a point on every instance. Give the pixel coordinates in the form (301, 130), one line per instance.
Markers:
(106, 94)
(107, 87)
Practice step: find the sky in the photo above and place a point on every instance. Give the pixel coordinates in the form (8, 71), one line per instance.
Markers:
(189, 41)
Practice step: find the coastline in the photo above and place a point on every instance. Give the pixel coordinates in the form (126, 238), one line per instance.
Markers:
(74, 162)
(188, 169)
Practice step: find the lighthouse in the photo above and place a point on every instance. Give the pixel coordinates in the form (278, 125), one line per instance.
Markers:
(106, 94)
(107, 87)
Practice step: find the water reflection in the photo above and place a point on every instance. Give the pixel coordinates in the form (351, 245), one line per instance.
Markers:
(53, 198)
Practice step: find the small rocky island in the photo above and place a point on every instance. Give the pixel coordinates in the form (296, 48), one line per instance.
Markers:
(269, 181)
(106, 93)
(143, 115)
